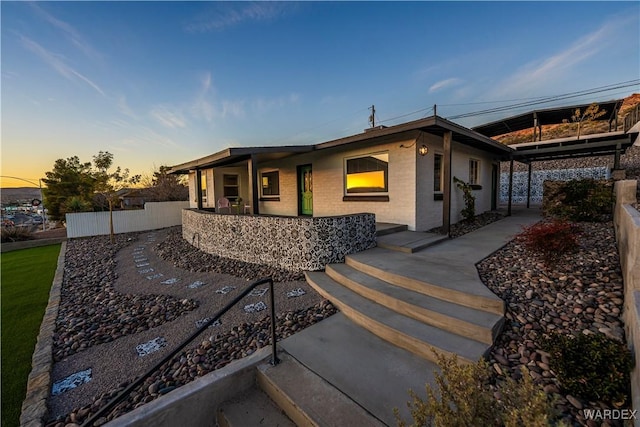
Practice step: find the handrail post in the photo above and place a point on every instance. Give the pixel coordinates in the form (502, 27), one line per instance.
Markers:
(274, 356)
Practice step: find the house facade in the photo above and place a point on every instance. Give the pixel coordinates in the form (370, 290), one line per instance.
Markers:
(403, 174)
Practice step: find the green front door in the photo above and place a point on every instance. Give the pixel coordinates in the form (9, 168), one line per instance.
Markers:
(305, 188)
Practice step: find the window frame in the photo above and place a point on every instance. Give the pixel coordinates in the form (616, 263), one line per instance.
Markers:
(441, 174)
(474, 178)
(370, 194)
(236, 186)
(271, 172)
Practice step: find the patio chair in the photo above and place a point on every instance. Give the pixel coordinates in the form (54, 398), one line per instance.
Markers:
(224, 203)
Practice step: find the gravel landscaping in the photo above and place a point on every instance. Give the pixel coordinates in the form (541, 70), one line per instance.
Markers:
(109, 307)
(581, 294)
(119, 299)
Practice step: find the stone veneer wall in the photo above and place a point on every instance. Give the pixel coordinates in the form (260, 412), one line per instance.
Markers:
(291, 243)
(627, 225)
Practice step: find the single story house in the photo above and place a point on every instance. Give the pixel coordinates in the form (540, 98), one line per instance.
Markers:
(403, 174)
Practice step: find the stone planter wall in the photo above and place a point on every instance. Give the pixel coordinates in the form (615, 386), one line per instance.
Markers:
(627, 224)
(291, 243)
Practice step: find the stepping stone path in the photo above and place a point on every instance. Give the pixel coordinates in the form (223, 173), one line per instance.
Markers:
(155, 276)
(258, 292)
(225, 290)
(295, 293)
(145, 271)
(142, 264)
(170, 281)
(252, 308)
(195, 285)
(152, 346)
(71, 382)
(201, 322)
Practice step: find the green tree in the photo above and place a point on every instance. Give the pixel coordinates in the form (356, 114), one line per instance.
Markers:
(108, 183)
(69, 178)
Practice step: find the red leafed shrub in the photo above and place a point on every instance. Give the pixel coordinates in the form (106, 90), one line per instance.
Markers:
(550, 239)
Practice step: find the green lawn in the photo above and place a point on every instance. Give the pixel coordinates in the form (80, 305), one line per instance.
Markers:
(26, 277)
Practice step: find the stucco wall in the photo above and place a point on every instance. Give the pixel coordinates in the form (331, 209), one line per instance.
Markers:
(627, 226)
(429, 211)
(291, 243)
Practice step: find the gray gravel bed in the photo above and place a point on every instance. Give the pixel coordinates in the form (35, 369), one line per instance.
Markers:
(111, 303)
(582, 294)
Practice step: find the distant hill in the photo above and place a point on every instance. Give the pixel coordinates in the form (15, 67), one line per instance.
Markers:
(19, 194)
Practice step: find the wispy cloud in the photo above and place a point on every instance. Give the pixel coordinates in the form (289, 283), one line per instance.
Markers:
(202, 107)
(443, 84)
(539, 73)
(57, 63)
(124, 107)
(70, 32)
(232, 109)
(224, 15)
(263, 105)
(168, 117)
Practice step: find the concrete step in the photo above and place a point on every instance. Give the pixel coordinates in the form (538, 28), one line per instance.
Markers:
(409, 241)
(384, 228)
(459, 283)
(308, 399)
(468, 322)
(402, 331)
(253, 408)
(371, 371)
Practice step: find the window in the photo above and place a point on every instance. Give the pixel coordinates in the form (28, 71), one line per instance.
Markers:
(474, 172)
(230, 187)
(203, 187)
(367, 174)
(270, 183)
(437, 173)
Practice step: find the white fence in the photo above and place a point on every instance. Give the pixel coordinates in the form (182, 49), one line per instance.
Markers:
(154, 215)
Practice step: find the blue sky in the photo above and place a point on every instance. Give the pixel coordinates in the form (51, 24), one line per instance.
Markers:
(160, 83)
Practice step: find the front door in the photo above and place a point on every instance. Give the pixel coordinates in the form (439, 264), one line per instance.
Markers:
(305, 190)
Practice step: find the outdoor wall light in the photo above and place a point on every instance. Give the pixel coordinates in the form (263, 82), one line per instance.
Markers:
(423, 150)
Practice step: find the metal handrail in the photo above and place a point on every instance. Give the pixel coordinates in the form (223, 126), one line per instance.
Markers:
(274, 358)
(632, 118)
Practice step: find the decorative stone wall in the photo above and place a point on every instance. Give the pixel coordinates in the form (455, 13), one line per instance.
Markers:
(292, 243)
(626, 220)
(519, 192)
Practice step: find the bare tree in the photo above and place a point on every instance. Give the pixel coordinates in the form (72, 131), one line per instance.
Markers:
(109, 183)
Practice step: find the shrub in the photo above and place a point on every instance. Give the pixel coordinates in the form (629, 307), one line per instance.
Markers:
(15, 234)
(592, 366)
(464, 398)
(469, 211)
(550, 239)
(584, 200)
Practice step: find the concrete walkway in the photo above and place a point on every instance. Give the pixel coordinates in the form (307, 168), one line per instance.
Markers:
(373, 373)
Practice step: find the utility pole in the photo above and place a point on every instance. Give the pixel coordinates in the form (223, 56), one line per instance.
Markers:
(372, 116)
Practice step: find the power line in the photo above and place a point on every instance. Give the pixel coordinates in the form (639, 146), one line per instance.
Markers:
(548, 99)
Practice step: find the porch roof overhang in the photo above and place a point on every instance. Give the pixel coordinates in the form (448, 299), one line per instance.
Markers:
(434, 125)
(546, 116)
(232, 156)
(587, 145)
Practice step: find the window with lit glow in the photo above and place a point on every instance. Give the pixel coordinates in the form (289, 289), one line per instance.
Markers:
(367, 174)
(270, 183)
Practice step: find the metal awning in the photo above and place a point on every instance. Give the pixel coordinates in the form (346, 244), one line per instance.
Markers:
(549, 116)
(587, 145)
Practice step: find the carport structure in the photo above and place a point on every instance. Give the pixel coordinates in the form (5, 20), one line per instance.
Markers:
(614, 142)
